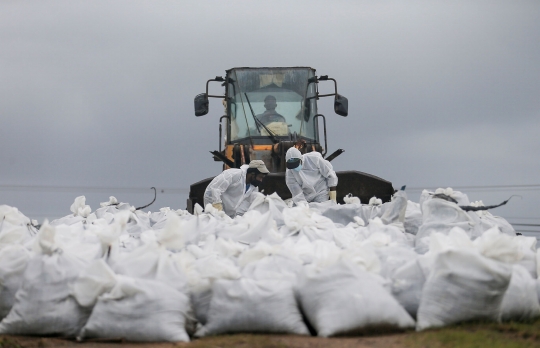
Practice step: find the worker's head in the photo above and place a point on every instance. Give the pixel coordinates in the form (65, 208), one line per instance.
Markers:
(256, 173)
(270, 103)
(294, 159)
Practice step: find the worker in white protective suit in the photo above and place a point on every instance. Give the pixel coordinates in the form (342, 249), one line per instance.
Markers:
(310, 177)
(231, 191)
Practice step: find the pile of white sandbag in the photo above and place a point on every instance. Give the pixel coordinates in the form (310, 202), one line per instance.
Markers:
(322, 269)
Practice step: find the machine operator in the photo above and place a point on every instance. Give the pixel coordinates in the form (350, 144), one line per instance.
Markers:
(270, 115)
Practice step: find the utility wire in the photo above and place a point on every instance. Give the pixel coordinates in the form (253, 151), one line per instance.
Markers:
(531, 187)
(529, 225)
(184, 190)
(52, 188)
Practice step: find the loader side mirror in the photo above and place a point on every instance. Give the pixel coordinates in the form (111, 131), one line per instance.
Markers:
(341, 105)
(201, 104)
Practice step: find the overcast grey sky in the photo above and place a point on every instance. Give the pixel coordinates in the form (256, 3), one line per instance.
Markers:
(100, 93)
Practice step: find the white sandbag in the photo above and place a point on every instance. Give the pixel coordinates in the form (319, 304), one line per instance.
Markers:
(206, 270)
(390, 212)
(308, 222)
(228, 248)
(80, 212)
(98, 278)
(15, 228)
(278, 267)
(440, 216)
(343, 237)
(499, 246)
(44, 304)
(457, 239)
(538, 263)
(413, 218)
(106, 212)
(199, 289)
(152, 262)
(325, 254)
(302, 248)
(75, 238)
(192, 228)
(13, 261)
(538, 289)
(520, 302)
(342, 214)
(159, 217)
(395, 209)
(80, 208)
(344, 300)
(215, 267)
(394, 257)
(272, 203)
(460, 197)
(220, 246)
(183, 230)
(256, 252)
(363, 257)
(314, 233)
(260, 227)
(68, 220)
(13, 215)
(14, 233)
(134, 227)
(380, 234)
(484, 220)
(527, 246)
(463, 285)
(407, 284)
(320, 207)
(139, 310)
(248, 305)
(173, 236)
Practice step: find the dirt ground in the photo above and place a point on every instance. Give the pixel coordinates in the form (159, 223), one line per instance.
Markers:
(241, 340)
(465, 335)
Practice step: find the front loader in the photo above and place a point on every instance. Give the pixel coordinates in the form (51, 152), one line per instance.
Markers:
(269, 110)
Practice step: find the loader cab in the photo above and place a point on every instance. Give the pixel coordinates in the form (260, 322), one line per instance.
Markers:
(277, 102)
(267, 110)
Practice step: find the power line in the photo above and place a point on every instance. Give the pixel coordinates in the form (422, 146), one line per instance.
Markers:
(43, 188)
(529, 225)
(490, 186)
(172, 190)
(529, 187)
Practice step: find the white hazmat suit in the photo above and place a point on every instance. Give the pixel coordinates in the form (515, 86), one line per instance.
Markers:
(229, 188)
(312, 182)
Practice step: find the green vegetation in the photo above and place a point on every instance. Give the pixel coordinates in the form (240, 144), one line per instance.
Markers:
(6, 342)
(468, 335)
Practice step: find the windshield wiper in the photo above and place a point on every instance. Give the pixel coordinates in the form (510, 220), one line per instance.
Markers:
(258, 122)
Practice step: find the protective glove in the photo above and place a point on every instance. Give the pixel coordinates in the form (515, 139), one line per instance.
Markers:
(333, 196)
(218, 206)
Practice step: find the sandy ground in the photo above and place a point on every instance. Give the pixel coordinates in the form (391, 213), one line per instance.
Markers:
(242, 340)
